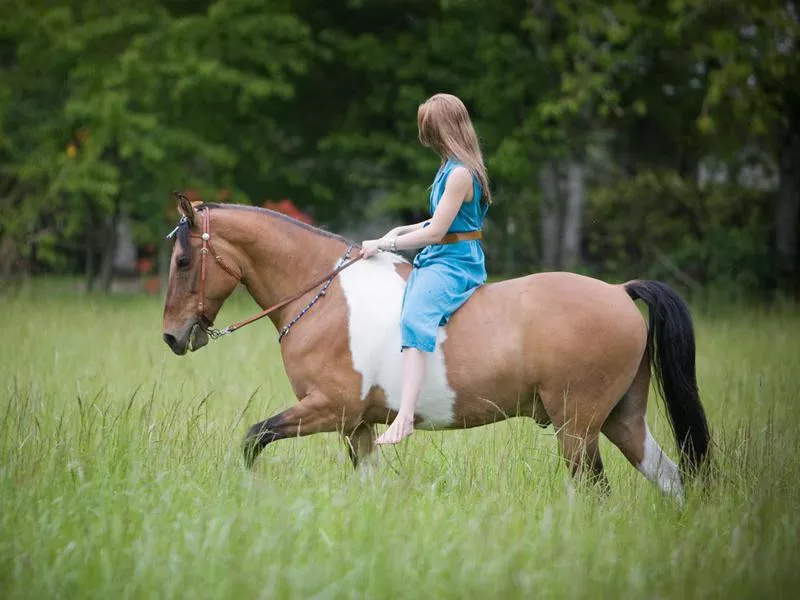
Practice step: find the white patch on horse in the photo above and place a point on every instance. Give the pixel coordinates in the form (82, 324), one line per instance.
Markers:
(374, 293)
(659, 469)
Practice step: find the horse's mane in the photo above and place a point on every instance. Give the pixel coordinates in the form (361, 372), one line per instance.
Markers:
(276, 215)
(183, 229)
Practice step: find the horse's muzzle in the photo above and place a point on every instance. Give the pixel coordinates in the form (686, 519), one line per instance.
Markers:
(193, 338)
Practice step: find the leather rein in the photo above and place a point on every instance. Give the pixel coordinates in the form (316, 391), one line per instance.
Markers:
(345, 261)
(207, 248)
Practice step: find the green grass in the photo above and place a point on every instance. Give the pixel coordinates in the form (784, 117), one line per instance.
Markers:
(121, 477)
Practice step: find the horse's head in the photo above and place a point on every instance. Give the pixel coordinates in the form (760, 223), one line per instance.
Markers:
(196, 291)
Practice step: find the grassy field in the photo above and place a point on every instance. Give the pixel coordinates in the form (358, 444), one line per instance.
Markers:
(121, 477)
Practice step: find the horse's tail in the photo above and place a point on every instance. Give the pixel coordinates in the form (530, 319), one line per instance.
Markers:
(671, 347)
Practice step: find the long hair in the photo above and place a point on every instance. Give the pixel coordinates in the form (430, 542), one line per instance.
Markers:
(445, 126)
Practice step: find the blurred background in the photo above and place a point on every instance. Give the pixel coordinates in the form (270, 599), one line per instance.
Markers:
(636, 138)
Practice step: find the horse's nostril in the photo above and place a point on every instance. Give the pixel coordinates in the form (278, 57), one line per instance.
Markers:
(170, 340)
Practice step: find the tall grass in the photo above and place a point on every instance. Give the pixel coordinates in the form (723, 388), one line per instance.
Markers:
(121, 476)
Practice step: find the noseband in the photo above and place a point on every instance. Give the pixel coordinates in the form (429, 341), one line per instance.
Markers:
(206, 248)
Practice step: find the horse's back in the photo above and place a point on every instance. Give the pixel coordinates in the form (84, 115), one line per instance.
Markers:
(554, 308)
(556, 304)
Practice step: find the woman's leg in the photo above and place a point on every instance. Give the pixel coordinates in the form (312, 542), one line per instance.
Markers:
(413, 375)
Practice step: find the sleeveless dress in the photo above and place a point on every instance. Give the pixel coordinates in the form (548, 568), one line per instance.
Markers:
(444, 275)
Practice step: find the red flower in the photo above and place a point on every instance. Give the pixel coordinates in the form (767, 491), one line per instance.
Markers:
(288, 208)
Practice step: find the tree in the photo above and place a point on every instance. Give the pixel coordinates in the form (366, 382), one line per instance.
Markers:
(750, 52)
(104, 109)
(128, 101)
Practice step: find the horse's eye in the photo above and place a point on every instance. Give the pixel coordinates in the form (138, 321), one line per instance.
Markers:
(182, 262)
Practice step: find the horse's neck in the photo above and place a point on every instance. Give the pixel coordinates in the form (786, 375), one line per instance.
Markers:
(282, 258)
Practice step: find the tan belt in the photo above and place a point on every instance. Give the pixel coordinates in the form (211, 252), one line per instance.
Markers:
(452, 238)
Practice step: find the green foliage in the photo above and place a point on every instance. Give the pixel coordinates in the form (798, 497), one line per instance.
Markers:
(106, 108)
(115, 105)
(749, 52)
(661, 226)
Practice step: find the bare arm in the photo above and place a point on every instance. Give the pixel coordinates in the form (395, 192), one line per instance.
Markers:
(457, 189)
(404, 229)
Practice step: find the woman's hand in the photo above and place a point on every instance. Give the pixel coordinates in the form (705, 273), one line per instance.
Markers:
(370, 248)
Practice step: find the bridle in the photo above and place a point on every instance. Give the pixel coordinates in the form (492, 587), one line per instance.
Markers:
(207, 248)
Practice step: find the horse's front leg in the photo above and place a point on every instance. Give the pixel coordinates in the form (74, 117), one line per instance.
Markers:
(314, 413)
(361, 447)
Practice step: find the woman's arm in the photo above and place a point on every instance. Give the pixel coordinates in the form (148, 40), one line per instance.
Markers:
(456, 190)
(404, 229)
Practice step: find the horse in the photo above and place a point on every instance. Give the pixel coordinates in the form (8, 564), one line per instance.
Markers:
(564, 349)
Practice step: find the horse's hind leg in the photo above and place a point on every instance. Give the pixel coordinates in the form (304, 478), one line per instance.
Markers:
(578, 435)
(627, 428)
(582, 455)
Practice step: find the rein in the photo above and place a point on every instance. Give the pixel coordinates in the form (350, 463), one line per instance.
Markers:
(206, 248)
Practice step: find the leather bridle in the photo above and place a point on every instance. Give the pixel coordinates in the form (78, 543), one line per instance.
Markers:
(207, 248)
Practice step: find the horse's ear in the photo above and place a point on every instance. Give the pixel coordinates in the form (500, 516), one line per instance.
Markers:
(185, 207)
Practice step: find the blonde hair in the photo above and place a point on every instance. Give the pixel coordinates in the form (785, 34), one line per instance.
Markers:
(445, 126)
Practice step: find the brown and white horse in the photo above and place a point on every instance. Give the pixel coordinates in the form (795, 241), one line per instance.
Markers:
(561, 348)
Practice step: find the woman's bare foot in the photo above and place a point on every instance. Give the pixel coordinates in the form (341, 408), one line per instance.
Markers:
(400, 429)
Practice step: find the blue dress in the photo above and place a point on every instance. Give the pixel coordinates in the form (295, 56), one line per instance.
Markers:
(444, 275)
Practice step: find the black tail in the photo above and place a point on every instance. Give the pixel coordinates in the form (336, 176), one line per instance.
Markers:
(670, 345)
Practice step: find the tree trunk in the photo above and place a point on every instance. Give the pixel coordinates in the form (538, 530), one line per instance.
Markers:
(106, 275)
(787, 210)
(511, 230)
(7, 256)
(573, 215)
(164, 256)
(549, 213)
(89, 267)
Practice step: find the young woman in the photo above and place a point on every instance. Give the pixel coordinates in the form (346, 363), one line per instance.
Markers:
(451, 266)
